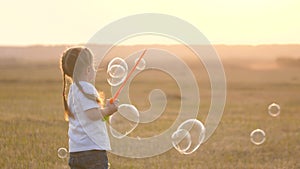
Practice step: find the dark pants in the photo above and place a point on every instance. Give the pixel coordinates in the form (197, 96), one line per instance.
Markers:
(92, 159)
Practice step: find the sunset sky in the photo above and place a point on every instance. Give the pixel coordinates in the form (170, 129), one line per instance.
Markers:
(222, 22)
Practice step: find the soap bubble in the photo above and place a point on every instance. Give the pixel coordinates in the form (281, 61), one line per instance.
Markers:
(124, 121)
(117, 70)
(141, 65)
(181, 140)
(62, 152)
(258, 136)
(118, 61)
(274, 109)
(197, 132)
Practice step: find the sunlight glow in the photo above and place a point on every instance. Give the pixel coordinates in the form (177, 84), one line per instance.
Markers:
(222, 22)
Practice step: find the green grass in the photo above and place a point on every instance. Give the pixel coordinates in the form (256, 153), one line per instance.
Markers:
(32, 126)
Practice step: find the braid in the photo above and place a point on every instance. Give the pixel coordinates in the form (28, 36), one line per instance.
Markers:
(89, 96)
(67, 112)
(66, 72)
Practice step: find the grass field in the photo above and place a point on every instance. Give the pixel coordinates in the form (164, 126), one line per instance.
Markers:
(32, 126)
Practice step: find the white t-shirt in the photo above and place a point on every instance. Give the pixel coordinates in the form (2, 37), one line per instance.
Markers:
(84, 133)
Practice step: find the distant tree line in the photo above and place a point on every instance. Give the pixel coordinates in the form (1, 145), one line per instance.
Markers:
(288, 62)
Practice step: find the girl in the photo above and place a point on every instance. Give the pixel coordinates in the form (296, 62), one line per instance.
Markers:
(88, 138)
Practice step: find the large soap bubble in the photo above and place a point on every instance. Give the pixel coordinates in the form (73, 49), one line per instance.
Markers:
(181, 140)
(196, 131)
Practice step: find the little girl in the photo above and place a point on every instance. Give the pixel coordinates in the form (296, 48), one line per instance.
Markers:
(88, 138)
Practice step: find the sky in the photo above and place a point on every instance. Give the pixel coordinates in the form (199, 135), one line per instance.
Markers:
(251, 22)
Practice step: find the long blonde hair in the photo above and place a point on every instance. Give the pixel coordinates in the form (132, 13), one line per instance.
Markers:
(75, 59)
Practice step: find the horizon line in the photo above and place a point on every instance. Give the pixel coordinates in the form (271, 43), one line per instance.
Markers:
(152, 44)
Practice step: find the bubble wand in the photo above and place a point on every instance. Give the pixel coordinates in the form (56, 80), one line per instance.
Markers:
(129, 74)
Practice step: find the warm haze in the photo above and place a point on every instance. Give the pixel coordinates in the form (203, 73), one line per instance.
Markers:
(257, 41)
(223, 22)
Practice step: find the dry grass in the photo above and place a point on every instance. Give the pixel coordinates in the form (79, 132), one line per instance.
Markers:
(32, 126)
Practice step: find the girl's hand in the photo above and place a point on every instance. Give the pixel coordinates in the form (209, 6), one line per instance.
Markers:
(111, 107)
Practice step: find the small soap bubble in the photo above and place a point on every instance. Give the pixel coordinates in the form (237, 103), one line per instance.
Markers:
(181, 140)
(124, 121)
(258, 136)
(62, 152)
(274, 109)
(117, 70)
(141, 65)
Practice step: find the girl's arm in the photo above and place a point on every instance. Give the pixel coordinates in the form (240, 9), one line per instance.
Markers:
(100, 113)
